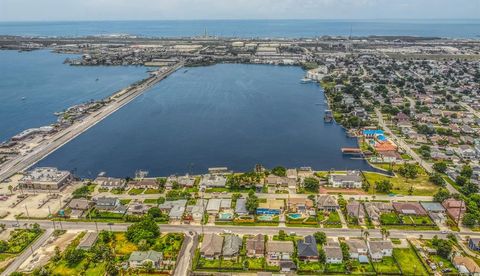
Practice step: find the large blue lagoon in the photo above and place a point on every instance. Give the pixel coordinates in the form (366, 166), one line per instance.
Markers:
(224, 115)
(34, 85)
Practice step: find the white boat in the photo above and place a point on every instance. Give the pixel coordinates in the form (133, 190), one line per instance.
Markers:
(305, 80)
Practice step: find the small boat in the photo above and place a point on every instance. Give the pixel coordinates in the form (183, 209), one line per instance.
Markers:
(305, 80)
(185, 71)
(97, 79)
(23, 98)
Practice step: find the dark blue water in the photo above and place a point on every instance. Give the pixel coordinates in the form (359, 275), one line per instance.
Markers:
(224, 115)
(49, 86)
(250, 28)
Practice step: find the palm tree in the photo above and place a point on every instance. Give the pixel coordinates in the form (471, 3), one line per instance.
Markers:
(366, 234)
(383, 231)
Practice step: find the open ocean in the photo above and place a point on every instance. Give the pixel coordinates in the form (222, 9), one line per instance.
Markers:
(249, 28)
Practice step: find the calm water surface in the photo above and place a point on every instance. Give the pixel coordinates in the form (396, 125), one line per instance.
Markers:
(224, 115)
(249, 28)
(47, 86)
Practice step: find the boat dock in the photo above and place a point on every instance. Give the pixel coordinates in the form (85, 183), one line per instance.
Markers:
(354, 151)
(67, 134)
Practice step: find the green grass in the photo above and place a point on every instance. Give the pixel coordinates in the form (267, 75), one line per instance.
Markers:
(135, 191)
(217, 190)
(421, 184)
(333, 220)
(335, 268)
(362, 269)
(255, 263)
(387, 265)
(310, 267)
(151, 191)
(150, 201)
(125, 201)
(409, 262)
(389, 218)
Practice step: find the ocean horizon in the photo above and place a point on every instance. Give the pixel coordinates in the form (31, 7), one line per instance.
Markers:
(275, 28)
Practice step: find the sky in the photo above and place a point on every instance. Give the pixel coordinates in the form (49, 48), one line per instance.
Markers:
(73, 10)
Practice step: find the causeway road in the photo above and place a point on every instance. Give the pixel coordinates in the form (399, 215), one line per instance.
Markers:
(62, 137)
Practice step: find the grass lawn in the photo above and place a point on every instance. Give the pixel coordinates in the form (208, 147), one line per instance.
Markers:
(208, 264)
(387, 265)
(116, 191)
(335, 268)
(389, 218)
(421, 184)
(191, 190)
(362, 269)
(418, 220)
(135, 191)
(125, 201)
(151, 191)
(255, 263)
(150, 201)
(409, 262)
(231, 264)
(122, 245)
(311, 267)
(217, 190)
(169, 244)
(333, 220)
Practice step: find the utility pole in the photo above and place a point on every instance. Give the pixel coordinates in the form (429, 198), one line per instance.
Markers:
(50, 214)
(26, 209)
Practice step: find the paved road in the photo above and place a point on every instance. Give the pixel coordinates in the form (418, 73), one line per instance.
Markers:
(23, 162)
(275, 196)
(470, 109)
(186, 254)
(27, 252)
(267, 230)
(402, 144)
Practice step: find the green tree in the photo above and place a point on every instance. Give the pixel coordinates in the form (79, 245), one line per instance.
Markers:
(409, 170)
(279, 171)
(251, 202)
(311, 184)
(467, 171)
(145, 229)
(441, 195)
(440, 167)
(154, 212)
(282, 235)
(469, 220)
(320, 237)
(437, 179)
(383, 186)
(74, 257)
(461, 180)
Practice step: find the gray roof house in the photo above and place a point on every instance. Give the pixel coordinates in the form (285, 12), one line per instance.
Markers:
(141, 258)
(107, 203)
(255, 246)
(327, 202)
(307, 248)
(176, 213)
(241, 207)
(333, 254)
(88, 241)
(355, 209)
(215, 205)
(211, 246)
(351, 179)
(356, 248)
(380, 249)
(231, 246)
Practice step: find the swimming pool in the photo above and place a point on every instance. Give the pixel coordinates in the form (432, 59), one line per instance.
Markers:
(294, 216)
(265, 217)
(225, 216)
